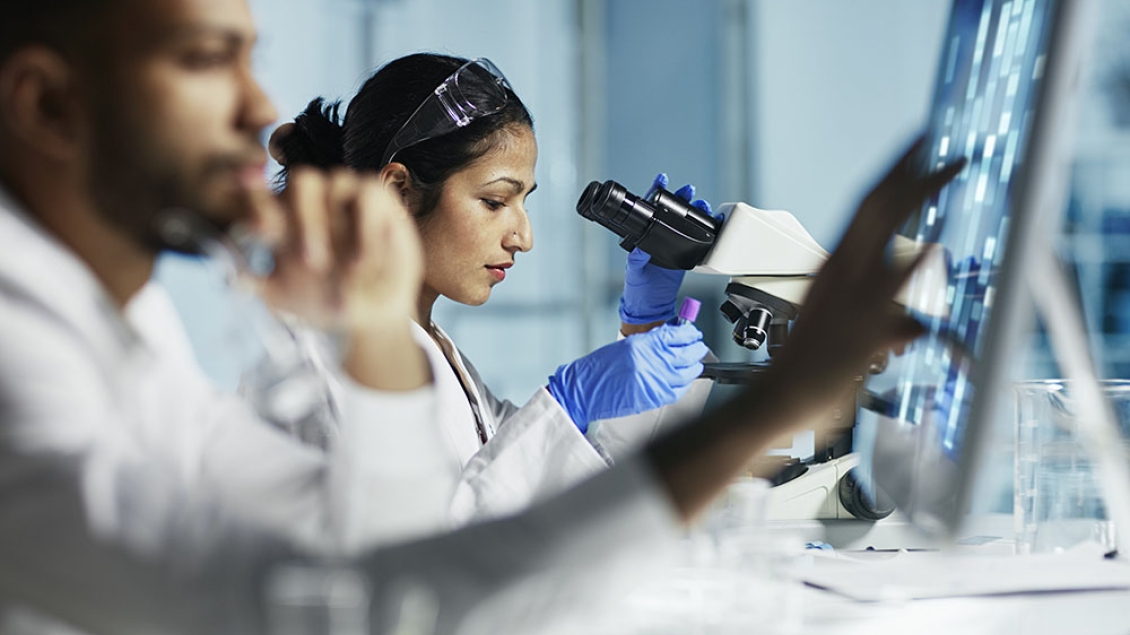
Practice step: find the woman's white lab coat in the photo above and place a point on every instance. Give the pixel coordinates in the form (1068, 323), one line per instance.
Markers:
(532, 451)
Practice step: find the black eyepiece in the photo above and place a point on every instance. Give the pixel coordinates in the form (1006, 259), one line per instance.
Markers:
(676, 234)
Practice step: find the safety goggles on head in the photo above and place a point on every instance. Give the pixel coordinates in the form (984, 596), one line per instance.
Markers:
(475, 90)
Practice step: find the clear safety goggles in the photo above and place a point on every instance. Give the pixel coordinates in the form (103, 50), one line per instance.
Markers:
(475, 90)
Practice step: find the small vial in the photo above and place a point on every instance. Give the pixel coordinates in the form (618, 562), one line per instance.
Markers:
(688, 312)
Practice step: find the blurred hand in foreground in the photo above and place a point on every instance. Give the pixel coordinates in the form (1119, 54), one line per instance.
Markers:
(849, 314)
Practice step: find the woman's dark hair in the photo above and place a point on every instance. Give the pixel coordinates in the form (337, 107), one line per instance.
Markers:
(378, 111)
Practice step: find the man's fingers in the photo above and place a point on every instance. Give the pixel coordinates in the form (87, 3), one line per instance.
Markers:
(351, 250)
(266, 217)
(935, 181)
(927, 187)
(907, 165)
(901, 272)
(306, 194)
(380, 215)
(910, 155)
(386, 239)
(901, 172)
(887, 208)
(877, 206)
(367, 218)
(342, 215)
(915, 190)
(903, 331)
(910, 193)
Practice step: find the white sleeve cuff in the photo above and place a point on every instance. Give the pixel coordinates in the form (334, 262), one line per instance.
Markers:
(389, 481)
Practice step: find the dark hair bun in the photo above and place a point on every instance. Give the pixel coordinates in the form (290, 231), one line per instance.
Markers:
(315, 139)
(387, 100)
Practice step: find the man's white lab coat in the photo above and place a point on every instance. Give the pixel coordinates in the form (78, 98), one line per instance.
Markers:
(135, 499)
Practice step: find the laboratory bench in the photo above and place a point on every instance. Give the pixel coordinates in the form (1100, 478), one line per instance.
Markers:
(717, 590)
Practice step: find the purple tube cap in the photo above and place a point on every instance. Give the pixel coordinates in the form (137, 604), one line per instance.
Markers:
(688, 310)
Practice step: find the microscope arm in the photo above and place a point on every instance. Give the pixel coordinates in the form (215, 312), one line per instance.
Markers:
(770, 251)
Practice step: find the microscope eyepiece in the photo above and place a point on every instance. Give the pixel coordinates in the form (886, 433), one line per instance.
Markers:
(674, 233)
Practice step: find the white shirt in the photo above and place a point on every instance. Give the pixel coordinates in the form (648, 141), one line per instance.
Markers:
(136, 499)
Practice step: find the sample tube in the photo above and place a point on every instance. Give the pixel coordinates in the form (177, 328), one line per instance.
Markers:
(688, 311)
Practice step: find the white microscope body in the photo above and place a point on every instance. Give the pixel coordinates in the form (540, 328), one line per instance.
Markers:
(772, 260)
(767, 247)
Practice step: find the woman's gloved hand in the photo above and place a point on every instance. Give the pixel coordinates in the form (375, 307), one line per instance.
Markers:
(637, 373)
(650, 291)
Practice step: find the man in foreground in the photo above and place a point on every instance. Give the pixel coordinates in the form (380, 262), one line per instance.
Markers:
(135, 499)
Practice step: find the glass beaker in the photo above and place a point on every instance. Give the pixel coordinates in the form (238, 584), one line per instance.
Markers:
(1058, 500)
(317, 599)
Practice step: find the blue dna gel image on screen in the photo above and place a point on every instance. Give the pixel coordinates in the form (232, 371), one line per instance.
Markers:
(988, 86)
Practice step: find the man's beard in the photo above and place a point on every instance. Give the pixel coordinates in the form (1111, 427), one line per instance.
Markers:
(137, 189)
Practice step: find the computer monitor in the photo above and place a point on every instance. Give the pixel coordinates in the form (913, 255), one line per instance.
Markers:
(1008, 75)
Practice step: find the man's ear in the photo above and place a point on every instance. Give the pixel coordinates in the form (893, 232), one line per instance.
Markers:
(38, 88)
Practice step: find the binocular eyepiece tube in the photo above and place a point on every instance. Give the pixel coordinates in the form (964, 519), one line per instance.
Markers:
(676, 234)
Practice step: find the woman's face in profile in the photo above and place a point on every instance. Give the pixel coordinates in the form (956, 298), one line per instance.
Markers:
(471, 238)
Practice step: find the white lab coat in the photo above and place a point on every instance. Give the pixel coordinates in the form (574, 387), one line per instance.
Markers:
(533, 451)
(136, 499)
(611, 438)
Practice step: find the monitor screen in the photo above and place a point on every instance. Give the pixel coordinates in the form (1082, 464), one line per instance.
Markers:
(916, 420)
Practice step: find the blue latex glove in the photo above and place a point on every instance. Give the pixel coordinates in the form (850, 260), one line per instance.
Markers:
(635, 374)
(650, 291)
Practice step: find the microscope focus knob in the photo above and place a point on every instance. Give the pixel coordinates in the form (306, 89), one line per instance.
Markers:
(861, 504)
(752, 329)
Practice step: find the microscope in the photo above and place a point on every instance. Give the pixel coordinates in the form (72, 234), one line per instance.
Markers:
(771, 261)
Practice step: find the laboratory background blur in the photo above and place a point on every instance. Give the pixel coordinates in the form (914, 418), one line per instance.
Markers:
(782, 104)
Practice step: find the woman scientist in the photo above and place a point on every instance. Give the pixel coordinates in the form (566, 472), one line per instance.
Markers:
(460, 145)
